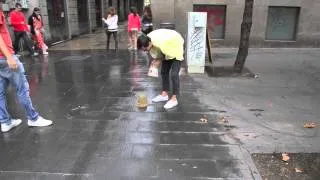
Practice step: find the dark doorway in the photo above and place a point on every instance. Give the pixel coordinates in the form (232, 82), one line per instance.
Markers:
(57, 20)
(138, 4)
(110, 3)
(83, 17)
(125, 9)
(98, 13)
(119, 10)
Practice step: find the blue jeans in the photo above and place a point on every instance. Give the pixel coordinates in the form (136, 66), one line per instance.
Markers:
(19, 81)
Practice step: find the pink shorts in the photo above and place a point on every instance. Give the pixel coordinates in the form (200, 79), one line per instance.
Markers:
(133, 30)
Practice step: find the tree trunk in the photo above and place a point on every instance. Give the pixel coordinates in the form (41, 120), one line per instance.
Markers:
(245, 37)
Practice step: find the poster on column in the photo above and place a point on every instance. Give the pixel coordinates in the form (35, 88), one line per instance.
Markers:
(24, 3)
(196, 41)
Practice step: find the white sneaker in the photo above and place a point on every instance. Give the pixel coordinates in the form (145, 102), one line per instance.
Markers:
(160, 98)
(45, 52)
(35, 54)
(170, 104)
(14, 122)
(40, 122)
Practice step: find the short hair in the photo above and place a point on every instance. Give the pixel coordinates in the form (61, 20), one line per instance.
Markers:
(143, 41)
(36, 9)
(18, 5)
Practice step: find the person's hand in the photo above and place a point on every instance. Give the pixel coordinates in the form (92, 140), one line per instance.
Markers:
(155, 63)
(12, 63)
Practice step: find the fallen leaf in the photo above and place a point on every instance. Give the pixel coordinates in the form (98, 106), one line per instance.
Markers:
(203, 120)
(285, 157)
(310, 125)
(223, 120)
(298, 170)
(270, 105)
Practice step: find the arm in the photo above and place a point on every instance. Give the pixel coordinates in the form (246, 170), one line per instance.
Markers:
(30, 22)
(104, 20)
(116, 19)
(156, 62)
(109, 20)
(3, 48)
(139, 24)
(129, 21)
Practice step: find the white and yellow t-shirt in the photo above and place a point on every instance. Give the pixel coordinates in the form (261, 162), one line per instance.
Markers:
(168, 43)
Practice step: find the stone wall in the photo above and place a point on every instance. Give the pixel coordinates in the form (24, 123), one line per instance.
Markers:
(308, 28)
(92, 15)
(72, 17)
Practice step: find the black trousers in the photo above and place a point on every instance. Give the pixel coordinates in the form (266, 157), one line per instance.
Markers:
(172, 65)
(115, 37)
(147, 30)
(22, 34)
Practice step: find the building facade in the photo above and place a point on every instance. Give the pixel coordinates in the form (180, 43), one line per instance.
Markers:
(290, 23)
(65, 19)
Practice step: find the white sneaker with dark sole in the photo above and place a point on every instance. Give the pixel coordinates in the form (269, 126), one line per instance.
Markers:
(160, 98)
(170, 104)
(35, 54)
(14, 123)
(40, 122)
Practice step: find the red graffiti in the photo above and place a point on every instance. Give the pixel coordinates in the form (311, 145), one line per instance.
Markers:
(215, 15)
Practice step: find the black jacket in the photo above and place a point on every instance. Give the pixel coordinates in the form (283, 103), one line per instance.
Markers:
(30, 22)
(146, 20)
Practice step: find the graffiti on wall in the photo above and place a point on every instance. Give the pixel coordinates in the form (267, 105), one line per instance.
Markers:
(24, 3)
(196, 39)
(215, 19)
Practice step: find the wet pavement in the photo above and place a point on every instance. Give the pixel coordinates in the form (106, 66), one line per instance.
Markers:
(99, 133)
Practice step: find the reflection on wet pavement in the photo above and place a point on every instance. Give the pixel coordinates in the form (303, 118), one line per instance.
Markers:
(99, 133)
(94, 41)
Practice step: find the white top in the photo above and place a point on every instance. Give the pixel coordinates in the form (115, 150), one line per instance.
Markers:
(112, 22)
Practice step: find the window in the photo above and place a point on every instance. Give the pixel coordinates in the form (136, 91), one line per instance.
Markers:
(216, 15)
(282, 23)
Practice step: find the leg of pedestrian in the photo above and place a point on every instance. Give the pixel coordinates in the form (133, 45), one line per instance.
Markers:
(19, 81)
(175, 68)
(6, 122)
(28, 43)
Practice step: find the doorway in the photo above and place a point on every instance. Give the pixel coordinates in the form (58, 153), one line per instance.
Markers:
(57, 20)
(98, 13)
(83, 16)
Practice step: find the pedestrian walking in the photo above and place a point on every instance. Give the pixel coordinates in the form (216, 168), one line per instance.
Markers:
(12, 71)
(134, 26)
(166, 48)
(20, 29)
(111, 22)
(35, 22)
(146, 20)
